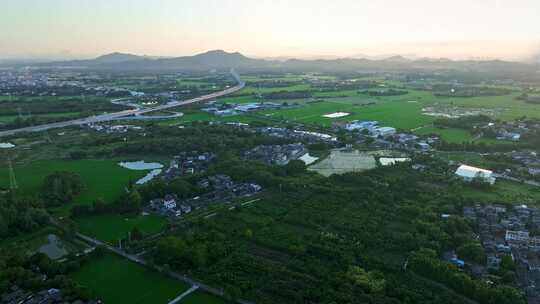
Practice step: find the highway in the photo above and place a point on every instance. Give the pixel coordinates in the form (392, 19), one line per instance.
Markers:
(119, 115)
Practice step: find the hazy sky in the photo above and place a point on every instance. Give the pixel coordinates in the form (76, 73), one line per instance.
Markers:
(435, 28)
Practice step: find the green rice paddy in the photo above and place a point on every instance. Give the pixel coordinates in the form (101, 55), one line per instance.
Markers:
(116, 280)
(111, 228)
(102, 178)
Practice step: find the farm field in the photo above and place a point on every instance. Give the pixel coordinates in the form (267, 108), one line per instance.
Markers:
(193, 82)
(117, 280)
(10, 118)
(238, 99)
(204, 117)
(253, 89)
(285, 77)
(402, 112)
(102, 178)
(449, 135)
(399, 115)
(188, 117)
(505, 191)
(111, 228)
(509, 107)
(339, 162)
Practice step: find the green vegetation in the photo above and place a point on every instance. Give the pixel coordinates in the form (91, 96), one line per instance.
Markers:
(504, 191)
(101, 178)
(110, 228)
(306, 238)
(117, 280)
(447, 134)
(255, 90)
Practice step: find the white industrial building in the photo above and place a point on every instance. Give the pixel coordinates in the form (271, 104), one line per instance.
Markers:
(469, 173)
(383, 131)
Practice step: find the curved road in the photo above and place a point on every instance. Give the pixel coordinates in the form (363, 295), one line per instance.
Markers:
(118, 115)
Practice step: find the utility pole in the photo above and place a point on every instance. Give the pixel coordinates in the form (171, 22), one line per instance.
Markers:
(48, 137)
(12, 180)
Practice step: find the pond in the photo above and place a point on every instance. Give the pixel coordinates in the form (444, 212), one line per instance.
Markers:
(54, 249)
(141, 165)
(6, 145)
(148, 177)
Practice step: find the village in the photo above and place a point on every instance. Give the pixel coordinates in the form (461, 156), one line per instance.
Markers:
(511, 233)
(216, 189)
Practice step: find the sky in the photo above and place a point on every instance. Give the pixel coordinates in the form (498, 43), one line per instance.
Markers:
(506, 29)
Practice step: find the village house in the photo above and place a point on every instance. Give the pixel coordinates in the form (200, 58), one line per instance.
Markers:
(276, 154)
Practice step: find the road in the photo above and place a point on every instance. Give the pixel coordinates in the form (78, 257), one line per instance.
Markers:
(132, 112)
(185, 294)
(141, 261)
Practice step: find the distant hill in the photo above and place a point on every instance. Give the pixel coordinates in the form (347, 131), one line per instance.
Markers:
(212, 59)
(222, 60)
(118, 57)
(397, 58)
(216, 59)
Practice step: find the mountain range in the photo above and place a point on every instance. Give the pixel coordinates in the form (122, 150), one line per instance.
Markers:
(219, 59)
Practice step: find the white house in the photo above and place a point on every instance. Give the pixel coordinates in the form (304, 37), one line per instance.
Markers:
(361, 124)
(469, 173)
(169, 202)
(518, 236)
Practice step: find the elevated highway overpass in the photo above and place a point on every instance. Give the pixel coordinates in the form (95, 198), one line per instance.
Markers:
(126, 113)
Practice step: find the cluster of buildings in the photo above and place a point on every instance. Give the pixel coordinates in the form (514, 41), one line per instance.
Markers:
(370, 127)
(217, 189)
(510, 231)
(408, 141)
(232, 109)
(276, 154)
(16, 295)
(188, 163)
(113, 129)
(511, 131)
(11, 79)
(387, 137)
(169, 206)
(310, 137)
(528, 160)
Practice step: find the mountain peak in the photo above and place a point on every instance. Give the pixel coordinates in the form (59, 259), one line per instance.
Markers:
(221, 53)
(117, 57)
(397, 58)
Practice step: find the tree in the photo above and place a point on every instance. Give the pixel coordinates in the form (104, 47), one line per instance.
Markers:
(181, 188)
(473, 252)
(61, 188)
(295, 167)
(507, 264)
(136, 234)
(135, 200)
(130, 202)
(372, 281)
